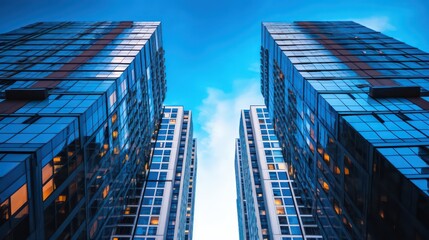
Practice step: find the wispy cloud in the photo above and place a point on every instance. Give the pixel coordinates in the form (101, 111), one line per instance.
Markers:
(377, 23)
(219, 114)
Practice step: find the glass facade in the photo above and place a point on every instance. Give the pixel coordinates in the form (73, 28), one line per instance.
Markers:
(349, 106)
(164, 209)
(269, 205)
(79, 102)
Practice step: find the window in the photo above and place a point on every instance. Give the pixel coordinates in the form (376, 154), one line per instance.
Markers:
(112, 98)
(151, 231)
(280, 210)
(4, 211)
(158, 201)
(154, 220)
(48, 188)
(18, 199)
(281, 166)
(106, 191)
(114, 118)
(47, 172)
(283, 220)
(156, 210)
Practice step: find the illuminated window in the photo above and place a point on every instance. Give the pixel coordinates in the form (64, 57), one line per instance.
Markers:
(337, 170)
(382, 214)
(4, 211)
(127, 211)
(115, 134)
(320, 150)
(280, 210)
(281, 166)
(48, 188)
(47, 172)
(326, 157)
(325, 186)
(106, 191)
(18, 199)
(278, 201)
(61, 198)
(154, 220)
(57, 159)
(338, 210)
(271, 167)
(116, 150)
(346, 171)
(291, 170)
(114, 118)
(172, 121)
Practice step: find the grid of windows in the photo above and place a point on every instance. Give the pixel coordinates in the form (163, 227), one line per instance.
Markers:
(272, 195)
(191, 193)
(163, 207)
(319, 81)
(75, 96)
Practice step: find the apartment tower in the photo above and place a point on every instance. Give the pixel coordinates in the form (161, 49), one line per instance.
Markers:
(164, 209)
(350, 108)
(79, 102)
(269, 205)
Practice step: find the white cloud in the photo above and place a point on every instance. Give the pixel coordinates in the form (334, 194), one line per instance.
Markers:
(377, 23)
(215, 203)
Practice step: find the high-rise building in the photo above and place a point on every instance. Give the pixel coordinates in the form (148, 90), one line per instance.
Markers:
(164, 209)
(79, 102)
(350, 108)
(269, 205)
(189, 229)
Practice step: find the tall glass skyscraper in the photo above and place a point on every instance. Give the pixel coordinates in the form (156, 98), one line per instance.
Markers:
(350, 107)
(269, 205)
(164, 210)
(79, 102)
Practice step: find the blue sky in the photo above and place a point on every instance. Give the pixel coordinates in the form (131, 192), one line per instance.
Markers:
(212, 64)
